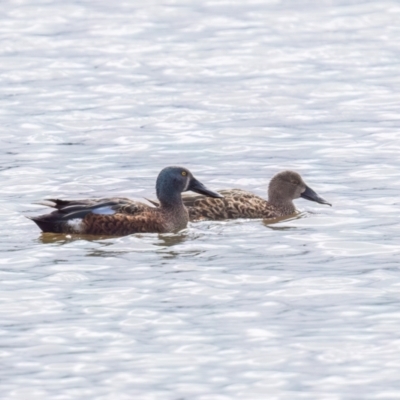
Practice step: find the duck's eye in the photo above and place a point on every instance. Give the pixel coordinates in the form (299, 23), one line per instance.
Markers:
(184, 173)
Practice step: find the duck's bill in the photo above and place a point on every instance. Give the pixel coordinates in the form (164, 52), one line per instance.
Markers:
(309, 194)
(198, 187)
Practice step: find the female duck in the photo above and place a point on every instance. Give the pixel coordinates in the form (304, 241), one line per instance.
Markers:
(283, 189)
(121, 216)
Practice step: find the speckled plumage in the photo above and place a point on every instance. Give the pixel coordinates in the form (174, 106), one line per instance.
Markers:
(122, 216)
(236, 203)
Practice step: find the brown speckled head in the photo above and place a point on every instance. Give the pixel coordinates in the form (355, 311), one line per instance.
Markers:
(287, 186)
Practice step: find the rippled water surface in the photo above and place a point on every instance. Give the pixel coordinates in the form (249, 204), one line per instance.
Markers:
(96, 97)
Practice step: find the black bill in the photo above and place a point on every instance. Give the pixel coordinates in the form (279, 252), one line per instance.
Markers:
(309, 194)
(198, 187)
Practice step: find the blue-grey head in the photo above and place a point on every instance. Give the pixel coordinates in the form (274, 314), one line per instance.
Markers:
(172, 181)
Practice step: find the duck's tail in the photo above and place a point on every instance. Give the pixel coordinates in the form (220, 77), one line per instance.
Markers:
(48, 223)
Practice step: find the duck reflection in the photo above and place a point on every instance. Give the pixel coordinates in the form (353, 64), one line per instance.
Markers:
(63, 238)
(160, 243)
(274, 223)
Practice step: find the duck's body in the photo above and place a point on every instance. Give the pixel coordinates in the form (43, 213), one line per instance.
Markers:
(122, 216)
(236, 203)
(115, 216)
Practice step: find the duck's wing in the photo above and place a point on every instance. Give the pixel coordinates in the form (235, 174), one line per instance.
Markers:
(189, 199)
(121, 205)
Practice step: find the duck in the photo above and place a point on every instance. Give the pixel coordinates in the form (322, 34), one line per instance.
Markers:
(284, 187)
(118, 216)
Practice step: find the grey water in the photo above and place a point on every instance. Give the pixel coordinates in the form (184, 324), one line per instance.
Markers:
(96, 97)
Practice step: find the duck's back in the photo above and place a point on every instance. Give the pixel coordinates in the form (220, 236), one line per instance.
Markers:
(121, 205)
(236, 203)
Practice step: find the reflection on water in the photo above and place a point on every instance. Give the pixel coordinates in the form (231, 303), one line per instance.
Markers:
(172, 239)
(166, 239)
(97, 97)
(62, 238)
(274, 223)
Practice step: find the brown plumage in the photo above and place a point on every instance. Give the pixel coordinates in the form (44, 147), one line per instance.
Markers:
(148, 219)
(236, 203)
(122, 216)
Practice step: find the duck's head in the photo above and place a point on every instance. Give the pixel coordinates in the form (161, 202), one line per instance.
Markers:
(172, 181)
(289, 185)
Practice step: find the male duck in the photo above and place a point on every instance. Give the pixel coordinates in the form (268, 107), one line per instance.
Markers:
(122, 216)
(236, 203)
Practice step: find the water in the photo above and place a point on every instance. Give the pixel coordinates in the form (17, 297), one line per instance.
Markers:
(97, 97)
